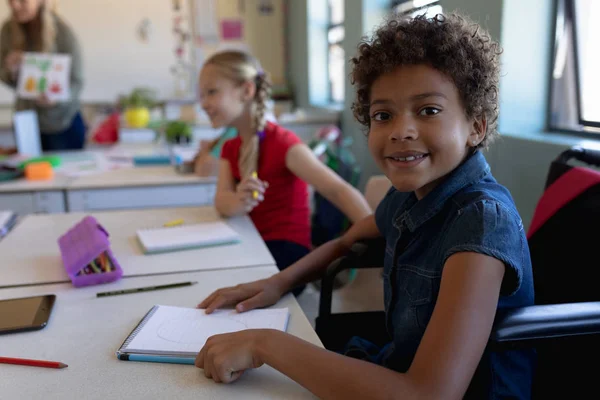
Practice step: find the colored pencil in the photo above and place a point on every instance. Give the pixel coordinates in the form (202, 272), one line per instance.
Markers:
(144, 289)
(32, 363)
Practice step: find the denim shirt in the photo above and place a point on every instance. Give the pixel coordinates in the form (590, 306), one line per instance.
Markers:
(468, 211)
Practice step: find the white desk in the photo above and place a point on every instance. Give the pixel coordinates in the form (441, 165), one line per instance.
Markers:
(107, 188)
(85, 332)
(29, 254)
(30, 197)
(140, 187)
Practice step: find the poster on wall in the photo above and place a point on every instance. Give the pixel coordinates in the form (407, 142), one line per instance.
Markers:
(45, 74)
(205, 16)
(232, 29)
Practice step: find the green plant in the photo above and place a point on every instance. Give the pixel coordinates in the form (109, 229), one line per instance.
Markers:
(178, 131)
(139, 97)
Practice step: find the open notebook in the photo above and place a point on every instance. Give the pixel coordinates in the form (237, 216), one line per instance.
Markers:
(177, 334)
(165, 239)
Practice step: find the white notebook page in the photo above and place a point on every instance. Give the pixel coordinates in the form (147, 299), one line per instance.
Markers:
(184, 331)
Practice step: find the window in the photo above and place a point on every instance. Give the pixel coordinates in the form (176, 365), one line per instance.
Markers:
(336, 57)
(575, 83)
(413, 8)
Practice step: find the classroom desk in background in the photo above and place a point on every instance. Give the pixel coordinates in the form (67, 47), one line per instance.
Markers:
(85, 332)
(126, 188)
(140, 187)
(30, 252)
(31, 197)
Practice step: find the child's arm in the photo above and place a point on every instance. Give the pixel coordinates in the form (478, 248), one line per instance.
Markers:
(232, 199)
(268, 291)
(304, 164)
(204, 163)
(443, 366)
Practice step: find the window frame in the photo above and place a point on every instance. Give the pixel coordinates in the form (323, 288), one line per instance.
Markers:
(571, 12)
(397, 6)
(330, 27)
(583, 128)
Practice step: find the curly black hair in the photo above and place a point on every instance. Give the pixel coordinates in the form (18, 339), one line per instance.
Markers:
(452, 44)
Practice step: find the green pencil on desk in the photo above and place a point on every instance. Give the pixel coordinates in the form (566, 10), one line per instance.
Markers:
(144, 289)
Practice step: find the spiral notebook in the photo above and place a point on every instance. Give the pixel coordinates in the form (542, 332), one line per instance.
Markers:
(169, 334)
(165, 239)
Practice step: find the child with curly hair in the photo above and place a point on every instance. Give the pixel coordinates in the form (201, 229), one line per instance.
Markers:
(456, 250)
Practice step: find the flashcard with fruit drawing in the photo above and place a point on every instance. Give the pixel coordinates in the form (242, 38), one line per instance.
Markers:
(47, 74)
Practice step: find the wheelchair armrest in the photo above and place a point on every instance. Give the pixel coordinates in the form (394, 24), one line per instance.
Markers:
(533, 325)
(364, 254)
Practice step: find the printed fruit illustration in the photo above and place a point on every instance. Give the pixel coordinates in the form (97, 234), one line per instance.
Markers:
(30, 84)
(42, 84)
(55, 87)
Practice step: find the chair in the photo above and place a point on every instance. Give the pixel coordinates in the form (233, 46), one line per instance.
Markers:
(564, 324)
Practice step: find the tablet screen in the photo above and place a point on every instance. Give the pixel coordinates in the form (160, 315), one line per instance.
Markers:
(20, 313)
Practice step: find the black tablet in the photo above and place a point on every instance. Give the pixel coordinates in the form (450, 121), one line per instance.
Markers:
(25, 314)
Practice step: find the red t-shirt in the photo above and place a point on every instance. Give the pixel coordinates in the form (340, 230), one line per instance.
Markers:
(284, 214)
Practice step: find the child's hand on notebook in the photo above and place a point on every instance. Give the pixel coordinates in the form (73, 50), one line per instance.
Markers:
(245, 297)
(250, 191)
(225, 357)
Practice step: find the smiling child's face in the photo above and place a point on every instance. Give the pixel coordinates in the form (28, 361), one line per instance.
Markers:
(419, 131)
(222, 99)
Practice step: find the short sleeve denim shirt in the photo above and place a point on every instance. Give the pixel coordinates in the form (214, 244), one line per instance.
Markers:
(468, 212)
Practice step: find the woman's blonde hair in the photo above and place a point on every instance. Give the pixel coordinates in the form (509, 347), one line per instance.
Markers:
(241, 67)
(45, 39)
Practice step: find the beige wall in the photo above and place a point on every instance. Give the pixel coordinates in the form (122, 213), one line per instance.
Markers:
(263, 35)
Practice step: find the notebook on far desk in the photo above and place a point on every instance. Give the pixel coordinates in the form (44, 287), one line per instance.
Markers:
(176, 335)
(166, 239)
(8, 219)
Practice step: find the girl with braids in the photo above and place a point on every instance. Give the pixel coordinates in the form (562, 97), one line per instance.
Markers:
(264, 171)
(34, 27)
(456, 251)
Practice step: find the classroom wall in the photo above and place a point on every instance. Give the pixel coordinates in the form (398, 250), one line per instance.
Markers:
(488, 13)
(263, 33)
(527, 39)
(297, 42)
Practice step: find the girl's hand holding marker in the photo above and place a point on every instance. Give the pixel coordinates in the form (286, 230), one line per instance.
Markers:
(251, 191)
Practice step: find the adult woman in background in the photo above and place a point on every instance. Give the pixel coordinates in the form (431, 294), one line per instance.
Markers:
(34, 27)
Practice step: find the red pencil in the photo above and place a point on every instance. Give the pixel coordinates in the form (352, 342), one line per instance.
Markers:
(32, 363)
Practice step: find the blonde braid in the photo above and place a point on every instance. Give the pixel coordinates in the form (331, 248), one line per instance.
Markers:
(250, 149)
(249, 156)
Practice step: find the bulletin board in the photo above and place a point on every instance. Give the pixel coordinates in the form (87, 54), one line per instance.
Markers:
(253, 25)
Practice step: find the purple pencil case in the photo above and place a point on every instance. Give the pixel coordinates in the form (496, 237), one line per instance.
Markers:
(86, 254)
